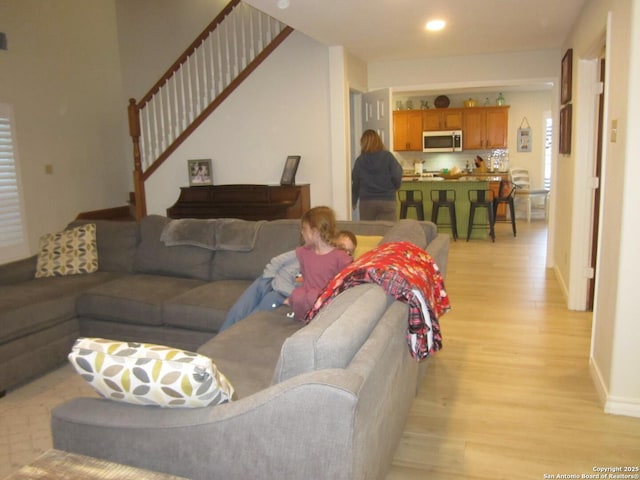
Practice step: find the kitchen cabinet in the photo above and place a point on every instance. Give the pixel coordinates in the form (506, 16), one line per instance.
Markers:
(485, 127)
(442, 119)
(407, 130)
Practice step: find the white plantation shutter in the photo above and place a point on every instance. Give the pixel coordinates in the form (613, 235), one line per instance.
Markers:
(12, 232)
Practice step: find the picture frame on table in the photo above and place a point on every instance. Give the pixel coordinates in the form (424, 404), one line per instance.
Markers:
(565, 77)
(564, 142)
(200, 172)
(289, 170)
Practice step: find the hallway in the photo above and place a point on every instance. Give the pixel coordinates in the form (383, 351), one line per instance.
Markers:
(510, 394)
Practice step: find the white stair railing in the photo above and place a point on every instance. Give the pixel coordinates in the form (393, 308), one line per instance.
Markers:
(232, 46)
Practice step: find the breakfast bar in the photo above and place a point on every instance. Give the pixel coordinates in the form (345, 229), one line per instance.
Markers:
(461, 187)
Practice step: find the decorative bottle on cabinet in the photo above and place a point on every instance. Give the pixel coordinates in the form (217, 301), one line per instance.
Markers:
(500, 100)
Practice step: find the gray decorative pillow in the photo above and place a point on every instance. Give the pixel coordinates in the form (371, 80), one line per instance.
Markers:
(406, 230)
(147, 374)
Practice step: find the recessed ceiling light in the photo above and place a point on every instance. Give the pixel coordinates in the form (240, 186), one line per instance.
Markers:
(283, 4)
(435, 25)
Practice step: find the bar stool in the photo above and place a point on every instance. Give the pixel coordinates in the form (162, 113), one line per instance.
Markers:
(411, 198)
(481, 199)
(506, 192)
(445, 199)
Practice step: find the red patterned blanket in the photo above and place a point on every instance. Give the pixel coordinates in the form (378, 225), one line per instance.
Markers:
(408, 274)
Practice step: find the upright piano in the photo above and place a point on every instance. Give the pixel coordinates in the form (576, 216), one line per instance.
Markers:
(244, 201)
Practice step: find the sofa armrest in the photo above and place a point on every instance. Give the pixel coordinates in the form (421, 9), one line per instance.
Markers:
(439, 251)
(280, 425)
(18, 271)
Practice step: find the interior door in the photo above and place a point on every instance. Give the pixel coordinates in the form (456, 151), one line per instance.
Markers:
(376, 114)
(596, 211)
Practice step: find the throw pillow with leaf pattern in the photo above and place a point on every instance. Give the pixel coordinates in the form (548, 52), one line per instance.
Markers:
(70, 252)
(148, 374)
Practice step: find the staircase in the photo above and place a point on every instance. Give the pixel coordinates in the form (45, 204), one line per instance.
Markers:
(211, 68)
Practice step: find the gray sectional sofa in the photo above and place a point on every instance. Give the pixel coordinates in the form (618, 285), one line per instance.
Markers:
(325, 400)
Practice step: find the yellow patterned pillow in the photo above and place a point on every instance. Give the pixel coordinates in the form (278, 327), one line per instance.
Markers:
(366, 243)
(147, 374)
(69, 252)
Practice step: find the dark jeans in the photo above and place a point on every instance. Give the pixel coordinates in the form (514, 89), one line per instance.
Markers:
(259, 296)
(378, 210)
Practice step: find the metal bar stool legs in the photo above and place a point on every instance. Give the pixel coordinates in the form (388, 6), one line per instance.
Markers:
(481, 199)
(512, 211)
(507, 191)
(445, 199)
(411, 199)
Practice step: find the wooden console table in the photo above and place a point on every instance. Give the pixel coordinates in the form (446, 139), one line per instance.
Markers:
(247, 202)
(59, 465)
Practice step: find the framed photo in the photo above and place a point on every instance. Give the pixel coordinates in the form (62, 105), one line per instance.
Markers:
(524, 139)
(564, 143)
(565, 79)
(290, 169)
(200, 172)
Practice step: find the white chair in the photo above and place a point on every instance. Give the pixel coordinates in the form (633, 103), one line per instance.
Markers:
(520, 177)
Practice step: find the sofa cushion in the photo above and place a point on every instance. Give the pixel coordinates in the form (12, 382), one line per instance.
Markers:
(204, 307)
(116, 243)
(248, 351)
(136, 299)
(407, 230)
(70, 252)
(153, 257)
(274, 237)
(335, 335)
(31, 306)
(147, 374)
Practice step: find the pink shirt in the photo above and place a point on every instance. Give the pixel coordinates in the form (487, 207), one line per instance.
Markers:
(317, 271)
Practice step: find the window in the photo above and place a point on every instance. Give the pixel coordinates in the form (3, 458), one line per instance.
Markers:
(13, 244)
(547, 152)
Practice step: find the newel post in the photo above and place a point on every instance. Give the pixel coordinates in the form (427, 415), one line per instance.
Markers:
(138, 179)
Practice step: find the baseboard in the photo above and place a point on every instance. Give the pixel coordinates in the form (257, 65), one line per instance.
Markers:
(560, 279)
(601, 388)
(629, 407)
(622, 406)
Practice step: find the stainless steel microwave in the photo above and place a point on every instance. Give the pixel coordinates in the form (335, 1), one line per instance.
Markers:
(442, 141)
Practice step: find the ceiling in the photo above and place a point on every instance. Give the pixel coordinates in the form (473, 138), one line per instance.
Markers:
(382, 30)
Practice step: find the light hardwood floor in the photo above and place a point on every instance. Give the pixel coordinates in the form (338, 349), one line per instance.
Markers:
(510, 394)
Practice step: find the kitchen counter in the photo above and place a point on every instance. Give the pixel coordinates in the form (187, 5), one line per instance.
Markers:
(461, 186)
(487, 177)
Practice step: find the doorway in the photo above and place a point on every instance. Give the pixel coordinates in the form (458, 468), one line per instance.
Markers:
(595, 228)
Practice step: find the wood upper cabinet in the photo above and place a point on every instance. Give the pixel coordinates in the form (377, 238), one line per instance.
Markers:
(485, 127)
(442, 119)
(407, 130)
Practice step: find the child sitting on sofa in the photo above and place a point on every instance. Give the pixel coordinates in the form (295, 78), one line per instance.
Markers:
(280, 277)
(319, 259)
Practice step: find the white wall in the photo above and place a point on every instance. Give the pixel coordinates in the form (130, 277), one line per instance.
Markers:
(450, 73)
(615, 357)
(153, 33)
(61, 74)
(281, 109)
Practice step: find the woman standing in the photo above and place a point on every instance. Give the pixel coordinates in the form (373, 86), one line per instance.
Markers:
(375, 179)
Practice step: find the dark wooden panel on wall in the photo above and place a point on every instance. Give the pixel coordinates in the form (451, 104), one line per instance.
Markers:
(247, 202)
